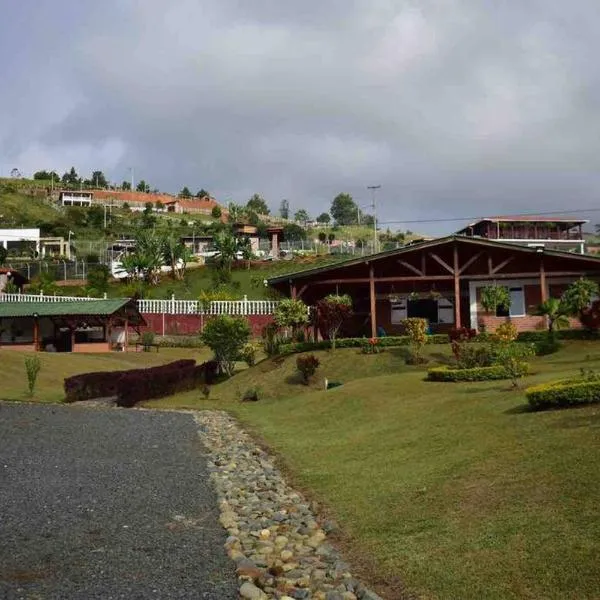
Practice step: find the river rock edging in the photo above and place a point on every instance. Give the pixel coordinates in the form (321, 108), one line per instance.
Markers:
(280, 548)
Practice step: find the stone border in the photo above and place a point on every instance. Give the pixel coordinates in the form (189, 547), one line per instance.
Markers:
(280, 548)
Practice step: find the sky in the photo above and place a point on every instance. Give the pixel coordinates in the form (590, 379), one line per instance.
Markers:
(457, 108)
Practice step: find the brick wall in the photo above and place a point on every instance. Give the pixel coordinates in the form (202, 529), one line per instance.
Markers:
(193, 324)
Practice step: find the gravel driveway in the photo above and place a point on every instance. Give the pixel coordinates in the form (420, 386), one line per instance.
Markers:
(100, 503)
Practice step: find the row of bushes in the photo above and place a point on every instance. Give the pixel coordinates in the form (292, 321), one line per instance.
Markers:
(562, 334)
(563, 393)
(475, 374)
(136, 385)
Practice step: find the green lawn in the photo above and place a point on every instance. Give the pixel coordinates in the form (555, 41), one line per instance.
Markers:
(453, 490)
(57, 366)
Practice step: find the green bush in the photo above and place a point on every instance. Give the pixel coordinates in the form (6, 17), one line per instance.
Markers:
(147, 340)
(173, 341)
(307, 364)
(33, 365)
(248, 354)
(226, 336)
(563, 393)
(563, 334)
(471, 356)
(475, 374)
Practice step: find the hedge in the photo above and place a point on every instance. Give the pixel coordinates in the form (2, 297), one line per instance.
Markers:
(561, 334)
(136, 385)
(173, 341)
(382, 342)
(474, 374)
(563, 393)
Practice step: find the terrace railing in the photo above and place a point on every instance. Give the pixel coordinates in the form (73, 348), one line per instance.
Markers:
(172, 306)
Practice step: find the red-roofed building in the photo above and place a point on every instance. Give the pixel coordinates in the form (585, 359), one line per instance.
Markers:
(560, 233)
(135, 200)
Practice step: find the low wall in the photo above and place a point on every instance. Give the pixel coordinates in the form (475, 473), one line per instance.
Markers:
(18, 347)
(164, 324)
(92, 347)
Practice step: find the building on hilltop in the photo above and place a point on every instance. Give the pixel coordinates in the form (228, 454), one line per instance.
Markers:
(560, 233)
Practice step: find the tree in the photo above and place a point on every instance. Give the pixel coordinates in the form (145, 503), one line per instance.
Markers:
(71, 178)
(42, 176)
(293, 232)
(344, 210)
(98, 179)
(416, 329)
(324, 218)
(176, 255)
(142, 186)
(236, 212)
(185, 192)
(216, 212)
(556, 313)
(258, 205)
(322, 237)
(3, 255)
(145, 261)
(301, 216)
(284, 209)
(126, 186)
(332, 311)
(579, 295)
(227, 246)
(202, 194)
(291, 314)
(98, 276)
(226, 336)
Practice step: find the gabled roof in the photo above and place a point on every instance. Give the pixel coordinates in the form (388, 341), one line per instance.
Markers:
(475, 241)
(80, 308)
(525, 219)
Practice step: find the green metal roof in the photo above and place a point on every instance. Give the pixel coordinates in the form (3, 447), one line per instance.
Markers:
(62, 309)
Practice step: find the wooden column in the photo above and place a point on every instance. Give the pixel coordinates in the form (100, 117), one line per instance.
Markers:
(457, 323)
(109, 333)
(373, 302)
(293, 291)
(72, 339)
(126, 341)
(36, 333)
(544, 293)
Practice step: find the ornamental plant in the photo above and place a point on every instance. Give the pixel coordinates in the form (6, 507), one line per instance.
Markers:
(370, 346)
(512, 357)
(33, 365)
(416, 329)
(226, 336)
(292, 315)
(578, 296)
(506, 332)
(332, 311)
(494, 297)
(307, 364)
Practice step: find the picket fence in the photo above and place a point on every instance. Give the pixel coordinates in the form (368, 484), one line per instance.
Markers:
(172, 306)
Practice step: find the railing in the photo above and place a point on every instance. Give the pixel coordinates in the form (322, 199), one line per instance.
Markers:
(169, 307)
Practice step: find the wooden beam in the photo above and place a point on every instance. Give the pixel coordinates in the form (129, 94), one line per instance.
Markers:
(490, 264)
(502, 264)
(456, 288)
(385, 279)
(470, 262)
(293, 291)
(532, 275)
(411, 268)
(373, 301)
(442, 262)
(423, 262)
(302, 290)
(36, 333)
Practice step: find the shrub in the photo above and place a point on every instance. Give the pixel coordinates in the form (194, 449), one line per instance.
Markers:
(33, 365)
(147, 340)
(548, 345)
(292, 314)
(226, 336)
(563, 393)
(416, 329)
(370, 346)
(475, 374)
(506, 332)
(271, 339)
(307, 364)
(332, 311)
(511, 357)
(474, 356)
(252, 394)
(248, 354)
(578, 296)
(494, 297)
(590, 316)
(461, 334)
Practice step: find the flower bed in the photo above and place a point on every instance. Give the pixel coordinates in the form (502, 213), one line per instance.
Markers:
(474, 374)
(563, 393)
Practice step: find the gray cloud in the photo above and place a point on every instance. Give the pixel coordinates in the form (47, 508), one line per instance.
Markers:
(456, 107)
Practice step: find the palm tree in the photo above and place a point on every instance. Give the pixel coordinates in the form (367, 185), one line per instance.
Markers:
(227, 246)
(556, 313)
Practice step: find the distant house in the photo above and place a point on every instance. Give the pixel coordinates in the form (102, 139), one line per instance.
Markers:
(197, 206)
(17, 239)
(441, 281)
(136, 201)
(560, 233)
(75, 198)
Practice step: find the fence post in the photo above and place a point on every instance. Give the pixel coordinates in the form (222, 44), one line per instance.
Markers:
(41, 295)
(65, 270)
(245, 305)
(172, 304)
(105, 295)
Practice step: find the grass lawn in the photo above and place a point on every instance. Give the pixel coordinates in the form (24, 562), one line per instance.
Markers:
(453, 490)
(57, 366)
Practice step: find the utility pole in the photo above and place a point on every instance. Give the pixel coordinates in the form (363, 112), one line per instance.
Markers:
(132, 186)
(373, 189)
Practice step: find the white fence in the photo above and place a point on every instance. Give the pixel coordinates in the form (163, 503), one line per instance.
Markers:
(168, 307)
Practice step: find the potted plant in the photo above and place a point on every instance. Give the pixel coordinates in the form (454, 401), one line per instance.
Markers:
(495, 296)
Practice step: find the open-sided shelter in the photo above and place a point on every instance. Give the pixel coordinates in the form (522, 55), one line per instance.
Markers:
(441, 280)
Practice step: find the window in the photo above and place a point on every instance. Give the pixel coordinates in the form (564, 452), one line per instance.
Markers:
(423, 308)
(517, 304)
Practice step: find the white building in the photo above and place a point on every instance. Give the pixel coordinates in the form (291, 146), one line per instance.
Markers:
(76, 198)
(15, 238)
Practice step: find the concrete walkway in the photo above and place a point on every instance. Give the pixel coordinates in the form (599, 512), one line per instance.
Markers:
(100, 503)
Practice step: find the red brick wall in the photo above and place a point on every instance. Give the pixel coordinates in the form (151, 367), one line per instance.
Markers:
(192, 324)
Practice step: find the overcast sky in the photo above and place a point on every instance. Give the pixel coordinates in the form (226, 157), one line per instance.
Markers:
(455, 107)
